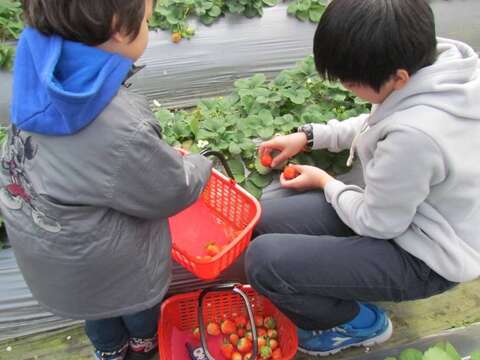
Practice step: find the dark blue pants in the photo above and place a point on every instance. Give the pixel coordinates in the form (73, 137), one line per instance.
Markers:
(315, 269)
(111, 334)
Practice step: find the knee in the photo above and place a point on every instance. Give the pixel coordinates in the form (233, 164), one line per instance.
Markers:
(259, 262)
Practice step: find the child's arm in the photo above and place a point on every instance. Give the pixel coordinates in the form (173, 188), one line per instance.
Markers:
(337, 135)
(406, 164)
(153, 180)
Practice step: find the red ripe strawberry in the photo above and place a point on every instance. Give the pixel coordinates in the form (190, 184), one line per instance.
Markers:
(290, 172)
(228, 327)
(236, 356)
(241, 321)
(270, 322)
(261, 331)
(233, 338)
(196, 333)
(212, 249)
(265, 352)
(277, 354)
(241, 332)
(273, 344)
(227, 350)
(272, 334)
(258, 320)
(266, 160)
(244, 345)
(176, 37)
(213, 329)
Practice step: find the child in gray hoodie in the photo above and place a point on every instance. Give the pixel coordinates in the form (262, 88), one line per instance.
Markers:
(87, 183)
(412, 230)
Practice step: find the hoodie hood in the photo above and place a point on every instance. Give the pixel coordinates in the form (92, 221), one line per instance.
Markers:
(451, 84)
(61, 86)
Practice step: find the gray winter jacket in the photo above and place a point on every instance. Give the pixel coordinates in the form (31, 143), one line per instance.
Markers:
(86, 213)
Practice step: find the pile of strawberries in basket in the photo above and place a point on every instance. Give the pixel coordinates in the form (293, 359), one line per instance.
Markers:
(238, 338)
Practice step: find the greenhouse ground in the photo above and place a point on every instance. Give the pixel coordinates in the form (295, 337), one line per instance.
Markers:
(413, 321)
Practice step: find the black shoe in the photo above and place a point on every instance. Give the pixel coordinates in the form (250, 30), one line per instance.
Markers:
(151, 355)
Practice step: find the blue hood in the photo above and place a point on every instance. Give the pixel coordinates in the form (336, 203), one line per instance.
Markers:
(60, 86)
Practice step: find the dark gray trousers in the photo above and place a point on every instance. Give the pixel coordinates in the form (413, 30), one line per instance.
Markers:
(315, 269)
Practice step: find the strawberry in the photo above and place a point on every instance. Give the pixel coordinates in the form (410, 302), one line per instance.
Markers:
(176, 37)
(233, 338)
(270, 322)
(265, 352)
(228, 327)
(266, 160)
(261, 340)
(241, 332)
(277, 354)
(213, 329)
(244, 345)
(273, 344)
(236, 356)
(261, 331)
(227, 350)
(272, 334)
(241, 321)
(212, 249)
(290, 172)
(196, 333)
(258, 320)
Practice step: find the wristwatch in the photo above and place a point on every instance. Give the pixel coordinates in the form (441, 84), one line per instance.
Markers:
(307, 129)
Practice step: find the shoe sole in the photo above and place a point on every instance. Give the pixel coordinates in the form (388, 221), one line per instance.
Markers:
(385, 336)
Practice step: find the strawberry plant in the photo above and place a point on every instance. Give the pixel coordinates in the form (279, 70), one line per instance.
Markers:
(305, 10)
(440, 351)
(11, 25)
(7, 54)
(256, 110)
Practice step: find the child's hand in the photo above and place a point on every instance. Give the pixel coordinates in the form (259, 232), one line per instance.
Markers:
(310, 177)
(287, 145)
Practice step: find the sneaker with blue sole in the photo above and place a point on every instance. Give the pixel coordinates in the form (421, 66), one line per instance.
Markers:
(332, 341)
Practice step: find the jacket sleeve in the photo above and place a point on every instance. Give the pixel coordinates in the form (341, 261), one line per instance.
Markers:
(153, 180)
(337, 135)
(406, 164)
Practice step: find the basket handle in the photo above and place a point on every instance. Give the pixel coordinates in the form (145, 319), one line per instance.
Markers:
(236, 288)
(222, 159)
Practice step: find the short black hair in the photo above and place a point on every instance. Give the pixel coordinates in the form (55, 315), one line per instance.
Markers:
(91, 22)
(367, 41)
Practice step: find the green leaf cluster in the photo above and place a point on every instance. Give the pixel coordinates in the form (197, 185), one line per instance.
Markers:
(440, 351)
(11, 23)
(256, 110)
(306, 10)
(173, 14)
(7, 54)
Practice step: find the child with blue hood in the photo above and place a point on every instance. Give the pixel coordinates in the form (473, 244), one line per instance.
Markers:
(87, 183)
(411, 230)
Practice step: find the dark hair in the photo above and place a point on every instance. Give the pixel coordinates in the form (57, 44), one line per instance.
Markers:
(91, 22)
(367, 41)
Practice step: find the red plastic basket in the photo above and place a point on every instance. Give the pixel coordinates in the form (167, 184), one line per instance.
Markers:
(179, 315)
(224, 214)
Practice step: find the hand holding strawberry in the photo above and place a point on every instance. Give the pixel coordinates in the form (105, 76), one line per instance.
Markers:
(287, 145)
(310, 177)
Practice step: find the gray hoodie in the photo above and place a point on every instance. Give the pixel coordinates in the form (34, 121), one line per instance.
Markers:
(419, 153)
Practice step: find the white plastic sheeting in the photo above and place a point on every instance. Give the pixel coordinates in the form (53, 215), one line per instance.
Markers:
(206, 66)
